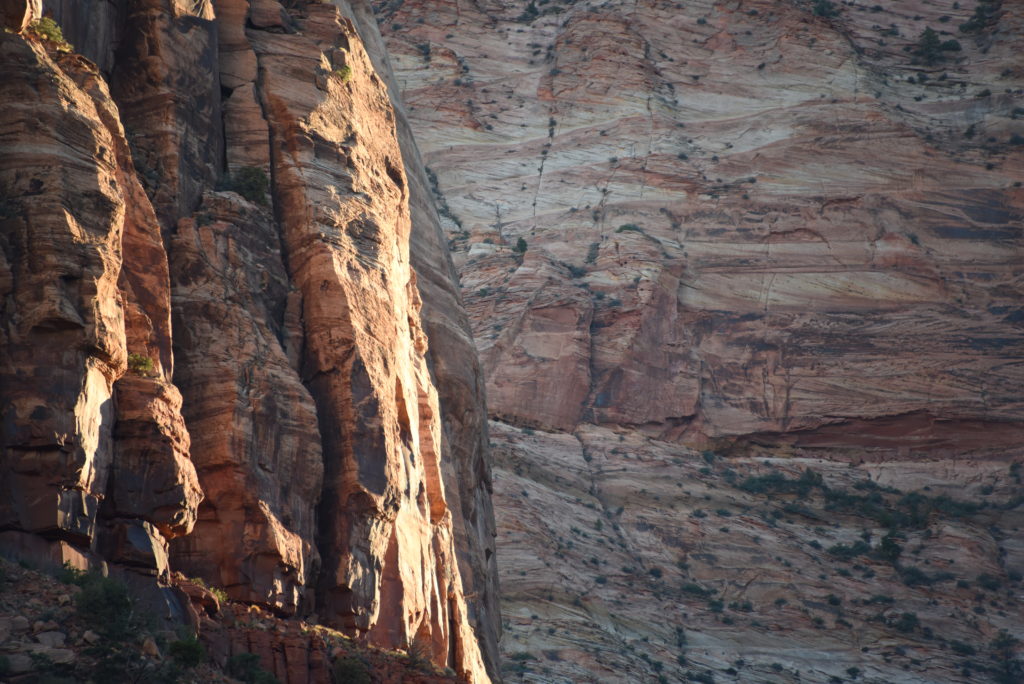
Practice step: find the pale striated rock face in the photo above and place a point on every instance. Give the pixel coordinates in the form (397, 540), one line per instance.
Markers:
(213, 356)
(761, 208)
(751, 229)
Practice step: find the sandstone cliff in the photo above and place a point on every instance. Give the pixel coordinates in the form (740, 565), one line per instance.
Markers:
(786, 234)
(218, 352)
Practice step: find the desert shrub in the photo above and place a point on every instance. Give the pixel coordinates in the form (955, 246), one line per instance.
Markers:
(520, 246)
(69, 574)
(187, 651)
(47, 29)
(343, 73)
(105, 606)
(913, 576)
(251, 183)
(351, 671)
(627, 227)
(986, 581)
(140, 364)
(825, 8)
(983, 13)
(777, 483)
(695, 589)
(246, 667)
(419, 655)
(930, 49)
(907, 622)
(849, 551)
(1008, 670)
(888, 550)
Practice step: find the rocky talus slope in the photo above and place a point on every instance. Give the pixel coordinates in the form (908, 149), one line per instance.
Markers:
(53, 629)
(231, 343)
(709, 249)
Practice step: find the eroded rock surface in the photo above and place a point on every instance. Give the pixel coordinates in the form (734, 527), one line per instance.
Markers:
(213, 356)
(763, 230)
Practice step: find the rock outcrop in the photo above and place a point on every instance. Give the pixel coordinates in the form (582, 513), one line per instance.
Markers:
(213, 357)
(754, 229)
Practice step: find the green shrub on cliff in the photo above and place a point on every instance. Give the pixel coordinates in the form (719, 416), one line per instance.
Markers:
(344, 73)
(140, 364)
(105, 606)
(246, 667)
(251, 183)
(47, 29)
(351, 671)
(825, 8)
(983, 14)
(187, 652)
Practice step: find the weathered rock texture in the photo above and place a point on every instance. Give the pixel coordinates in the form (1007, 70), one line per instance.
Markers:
(212, 354)
(749, 228)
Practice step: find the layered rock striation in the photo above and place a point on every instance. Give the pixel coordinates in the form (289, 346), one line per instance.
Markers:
(213, 357)
(764, 231)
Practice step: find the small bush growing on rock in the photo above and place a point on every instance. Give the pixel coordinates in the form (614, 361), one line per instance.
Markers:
(351, 671)
(983, 13)
(907, 622)
(1009, 669)
(888, 550)
(520, 246)
(825, 8)
(69, 574)
(187, 652)
(140, 364)
(419, 654)
(47, 29)
(251, 183)
(989, 582)
(930, 49)
(104, 605)
(344, 73)
(849, 551)
(246, 667)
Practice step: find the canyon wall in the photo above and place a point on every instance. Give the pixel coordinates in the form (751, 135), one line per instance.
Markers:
(709, 242)
(231, 341)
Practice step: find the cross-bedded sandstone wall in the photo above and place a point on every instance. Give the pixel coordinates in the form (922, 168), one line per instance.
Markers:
(776, 232)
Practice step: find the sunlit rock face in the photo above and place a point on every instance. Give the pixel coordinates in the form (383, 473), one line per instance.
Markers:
(212, 352)
(762, 230)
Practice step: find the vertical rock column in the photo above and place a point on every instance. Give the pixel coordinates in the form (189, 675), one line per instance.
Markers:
(455, 370)
(341, 197)
(78, 438)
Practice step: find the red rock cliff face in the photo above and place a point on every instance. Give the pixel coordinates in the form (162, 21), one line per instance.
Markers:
(785, 233)
(212, 328)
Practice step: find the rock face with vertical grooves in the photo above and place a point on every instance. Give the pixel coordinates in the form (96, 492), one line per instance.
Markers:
(212, 352)
(785, 233)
